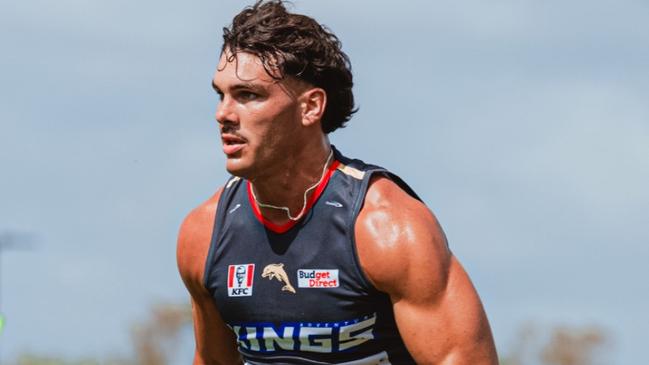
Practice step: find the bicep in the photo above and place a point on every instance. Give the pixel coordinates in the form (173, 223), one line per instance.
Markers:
(437, 310)
(448, 328)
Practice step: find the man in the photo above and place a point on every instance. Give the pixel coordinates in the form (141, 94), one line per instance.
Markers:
(306, 256)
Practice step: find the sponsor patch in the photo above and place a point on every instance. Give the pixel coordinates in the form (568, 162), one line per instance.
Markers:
(317, 278)
(240, 278)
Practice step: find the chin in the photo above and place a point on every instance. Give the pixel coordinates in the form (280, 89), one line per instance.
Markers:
(238, 167)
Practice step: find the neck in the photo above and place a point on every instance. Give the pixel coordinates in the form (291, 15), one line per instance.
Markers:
(287, 186)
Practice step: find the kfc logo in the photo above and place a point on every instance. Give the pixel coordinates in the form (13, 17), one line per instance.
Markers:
(240, 278)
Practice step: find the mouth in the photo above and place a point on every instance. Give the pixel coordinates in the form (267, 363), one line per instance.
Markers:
(232, 143)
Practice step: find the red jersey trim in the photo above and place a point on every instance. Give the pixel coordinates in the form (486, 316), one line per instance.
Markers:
(288, 225)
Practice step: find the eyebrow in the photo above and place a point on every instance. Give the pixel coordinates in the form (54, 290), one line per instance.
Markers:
(242, 85)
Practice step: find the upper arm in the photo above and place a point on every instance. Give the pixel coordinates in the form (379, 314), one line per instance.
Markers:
(215, 343)
(437, 310)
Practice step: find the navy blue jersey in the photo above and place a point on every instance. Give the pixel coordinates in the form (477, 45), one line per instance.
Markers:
(295, 294)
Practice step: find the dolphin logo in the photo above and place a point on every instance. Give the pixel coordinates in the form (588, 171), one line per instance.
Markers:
(276, 271)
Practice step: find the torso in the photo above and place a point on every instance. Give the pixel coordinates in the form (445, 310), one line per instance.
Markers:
(297, 294)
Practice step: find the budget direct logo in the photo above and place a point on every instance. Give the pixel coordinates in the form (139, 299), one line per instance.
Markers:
(240, 279)
(316, 278)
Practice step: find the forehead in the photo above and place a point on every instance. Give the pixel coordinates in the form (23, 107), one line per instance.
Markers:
(241, 67)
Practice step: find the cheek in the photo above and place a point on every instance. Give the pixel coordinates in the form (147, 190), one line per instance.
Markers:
(272, 123)
(260, 128)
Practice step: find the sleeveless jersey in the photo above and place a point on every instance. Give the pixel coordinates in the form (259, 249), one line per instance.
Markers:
(295, 294)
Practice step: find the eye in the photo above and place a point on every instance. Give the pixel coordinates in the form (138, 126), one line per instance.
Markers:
(247, 96)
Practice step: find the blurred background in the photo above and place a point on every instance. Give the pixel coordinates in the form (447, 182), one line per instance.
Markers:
(524, 125)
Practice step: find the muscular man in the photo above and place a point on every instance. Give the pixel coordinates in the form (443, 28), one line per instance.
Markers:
(306, 256)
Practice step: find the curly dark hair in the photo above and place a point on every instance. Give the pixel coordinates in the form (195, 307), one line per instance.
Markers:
(298, 46)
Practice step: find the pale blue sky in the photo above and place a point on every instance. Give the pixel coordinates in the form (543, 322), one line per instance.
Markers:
(523, 124)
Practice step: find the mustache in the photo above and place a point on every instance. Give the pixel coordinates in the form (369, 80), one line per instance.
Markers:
(229, 132)
(231, 129)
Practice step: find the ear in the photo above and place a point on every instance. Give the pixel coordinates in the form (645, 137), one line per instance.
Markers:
(313, 102)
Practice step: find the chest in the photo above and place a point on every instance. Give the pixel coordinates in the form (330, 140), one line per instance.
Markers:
(298, 290)
(309, 274)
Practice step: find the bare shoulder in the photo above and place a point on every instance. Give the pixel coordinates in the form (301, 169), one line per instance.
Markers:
(215, 343)
(194, 241)
(398, 237)
(404, 253)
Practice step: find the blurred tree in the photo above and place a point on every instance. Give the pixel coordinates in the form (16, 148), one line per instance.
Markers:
(573, 346)
(155, 340)
(560, 345)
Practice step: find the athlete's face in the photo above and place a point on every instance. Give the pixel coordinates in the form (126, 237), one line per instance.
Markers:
(259, 116)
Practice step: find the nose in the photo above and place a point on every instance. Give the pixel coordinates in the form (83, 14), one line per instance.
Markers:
(225, 112)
